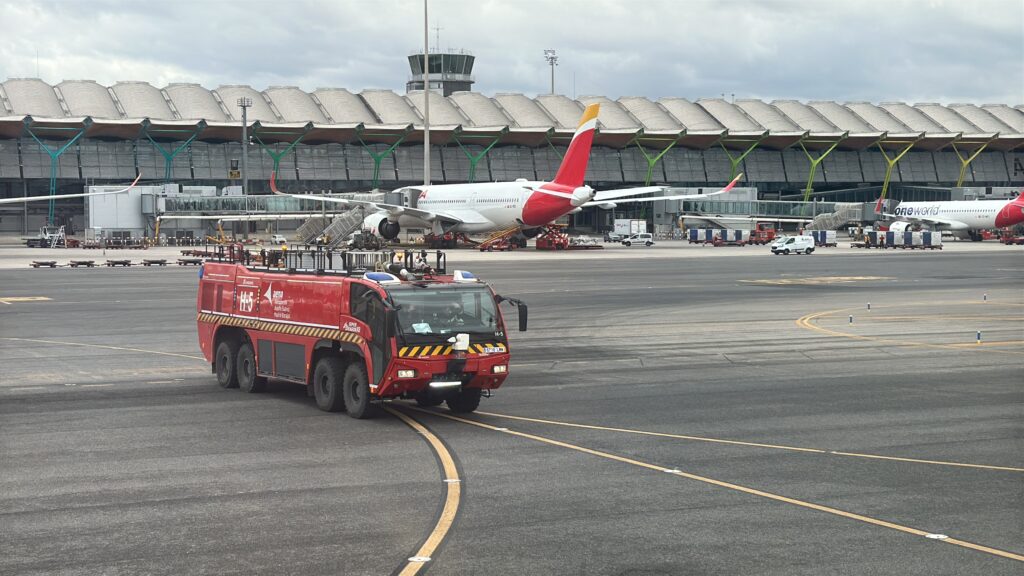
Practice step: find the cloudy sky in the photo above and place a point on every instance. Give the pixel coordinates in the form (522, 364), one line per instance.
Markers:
(875, 50)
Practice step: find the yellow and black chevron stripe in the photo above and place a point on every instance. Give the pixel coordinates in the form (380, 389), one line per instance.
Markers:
(446, 349)
(281, 328)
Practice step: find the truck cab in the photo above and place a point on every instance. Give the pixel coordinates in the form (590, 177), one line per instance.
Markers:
(355, 328)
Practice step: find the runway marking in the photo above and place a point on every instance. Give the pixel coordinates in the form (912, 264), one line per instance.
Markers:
(26, 388)
(815, 281)
(95, 385)
(12, 299)
(453, 493)
(735, 487)
(101, 346)
(808, 322)
(751, 444)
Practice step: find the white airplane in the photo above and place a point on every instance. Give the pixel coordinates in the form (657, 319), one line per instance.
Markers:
(964, 218)
(492, 206)
(63, 196)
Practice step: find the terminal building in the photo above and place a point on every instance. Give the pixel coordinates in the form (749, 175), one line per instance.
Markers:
(59, 138)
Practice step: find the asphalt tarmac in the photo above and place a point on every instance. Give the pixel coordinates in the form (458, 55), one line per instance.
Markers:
(746, 414)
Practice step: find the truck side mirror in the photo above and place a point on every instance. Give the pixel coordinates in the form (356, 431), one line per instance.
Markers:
(522, 317)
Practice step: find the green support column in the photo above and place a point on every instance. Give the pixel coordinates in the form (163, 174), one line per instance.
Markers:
(652, 161)
(55, 155)
(964, 163)
(475, 158)
(278, 156)
(734, 162)
(547, 138)
(377, 158)
(815, 161)
(170, 156)
(891, 162)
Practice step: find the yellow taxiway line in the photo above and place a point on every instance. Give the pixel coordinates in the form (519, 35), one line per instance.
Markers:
(451, 501)
(751, 444)
(808, 322)
(736, 487)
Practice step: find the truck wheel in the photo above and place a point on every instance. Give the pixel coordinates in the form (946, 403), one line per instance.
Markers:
(245, 369)
(357, 392)
(225, 361)
(466, 400)
(327, 384)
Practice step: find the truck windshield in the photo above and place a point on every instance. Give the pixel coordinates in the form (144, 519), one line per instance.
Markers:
(426, 311)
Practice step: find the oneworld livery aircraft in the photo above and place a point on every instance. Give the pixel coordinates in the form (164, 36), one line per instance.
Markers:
(964, 218)
(493, 206)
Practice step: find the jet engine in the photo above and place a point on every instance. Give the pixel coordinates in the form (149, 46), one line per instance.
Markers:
(388, 230)
(899, 227)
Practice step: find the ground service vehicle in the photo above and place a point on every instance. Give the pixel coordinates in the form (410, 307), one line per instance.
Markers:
(802, 244)
(278, 239)
(351, 332)
(642, 239)
(763, 233)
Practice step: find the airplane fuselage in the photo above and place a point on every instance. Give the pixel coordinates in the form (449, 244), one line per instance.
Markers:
(485, 207)
(963, 215)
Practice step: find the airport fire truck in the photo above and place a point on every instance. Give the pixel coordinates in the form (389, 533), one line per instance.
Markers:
(354, 328)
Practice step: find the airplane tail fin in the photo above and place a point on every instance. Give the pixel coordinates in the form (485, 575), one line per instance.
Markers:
(879, 205)
(574, 164)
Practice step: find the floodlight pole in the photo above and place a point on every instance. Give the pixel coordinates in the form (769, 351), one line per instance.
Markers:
(426, 97)
(552, 59)
(245, 103)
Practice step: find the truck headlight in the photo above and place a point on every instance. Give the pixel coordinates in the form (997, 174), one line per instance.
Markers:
(406, 373)
(499, 369)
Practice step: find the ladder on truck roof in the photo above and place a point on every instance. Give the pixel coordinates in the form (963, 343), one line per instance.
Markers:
(320, 260)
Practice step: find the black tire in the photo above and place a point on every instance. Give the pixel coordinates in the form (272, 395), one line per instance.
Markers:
(225, 363)
(245, 370)
(357, 392)
(786, 251)
(809, 251)
(465, 400)
(627, 243)
(328, 377)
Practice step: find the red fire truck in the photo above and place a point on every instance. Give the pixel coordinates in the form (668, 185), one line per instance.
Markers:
(355, 328)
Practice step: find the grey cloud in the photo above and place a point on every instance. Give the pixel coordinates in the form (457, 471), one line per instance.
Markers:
(875, 50)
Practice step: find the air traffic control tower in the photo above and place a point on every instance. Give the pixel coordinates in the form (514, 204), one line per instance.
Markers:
(450, 71)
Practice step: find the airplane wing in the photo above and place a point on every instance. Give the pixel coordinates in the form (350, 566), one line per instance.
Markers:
(391, 209)
(623, 192)
(246, 217)
(63, 196)
(932, 220)
(608, 200)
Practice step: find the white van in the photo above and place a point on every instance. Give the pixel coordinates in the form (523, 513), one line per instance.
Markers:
(278, 239)
(803, 244)
(642, 239)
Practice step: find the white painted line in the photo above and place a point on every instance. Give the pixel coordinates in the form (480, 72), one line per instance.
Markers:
(24, 388)
(95, 385)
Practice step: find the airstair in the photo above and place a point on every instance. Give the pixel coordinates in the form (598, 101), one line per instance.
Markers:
(310, 229)
(344, 225)
(845, 212)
